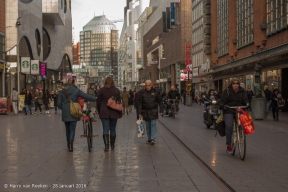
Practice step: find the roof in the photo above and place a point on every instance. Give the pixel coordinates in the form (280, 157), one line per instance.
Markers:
(99, 23)
(155, 3)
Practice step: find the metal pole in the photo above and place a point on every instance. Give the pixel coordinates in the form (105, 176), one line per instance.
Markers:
(18, 63)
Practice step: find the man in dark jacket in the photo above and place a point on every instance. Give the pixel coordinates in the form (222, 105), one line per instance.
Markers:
(268, 94)
(234, 95)
(250, 95)
(174, 94)
(148, 102)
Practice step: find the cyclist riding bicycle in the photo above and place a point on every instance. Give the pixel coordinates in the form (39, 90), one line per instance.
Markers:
(233, 95)
(174, 94)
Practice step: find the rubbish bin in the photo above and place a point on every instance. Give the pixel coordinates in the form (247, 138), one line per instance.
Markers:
(258, 107)
(188, 100)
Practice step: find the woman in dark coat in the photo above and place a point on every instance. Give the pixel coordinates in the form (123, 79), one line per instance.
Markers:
(46, 100)
(107, 115)
(274, 104)
(28, 101)
(55, 98)
(63, 103)
(131, 101)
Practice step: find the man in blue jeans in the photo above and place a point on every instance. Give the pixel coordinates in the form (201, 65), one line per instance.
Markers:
(268, 94)
(149, 100)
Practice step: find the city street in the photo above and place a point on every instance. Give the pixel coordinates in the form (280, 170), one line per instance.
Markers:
(34, 156)
(265, 167)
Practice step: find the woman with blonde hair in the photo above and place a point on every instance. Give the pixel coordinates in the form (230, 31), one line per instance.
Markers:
(108, 115)
(70, 122)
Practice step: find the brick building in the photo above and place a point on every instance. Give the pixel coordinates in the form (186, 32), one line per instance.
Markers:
(246, 32)
(76, 54)
(2, 47)
(163, 44)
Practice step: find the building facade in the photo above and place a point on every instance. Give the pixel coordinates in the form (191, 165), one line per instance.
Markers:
(166, 44)
(129, 63)
(40, 31)
(2, 48)
(76, 54)
(99, 49)
(246, 33)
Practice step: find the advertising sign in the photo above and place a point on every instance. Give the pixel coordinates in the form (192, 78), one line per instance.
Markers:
(69, 75)
(184, 76)
(3, 104)
(43, 69)
(195, 72)
(172, 13)
(21, 103)
(25, 65)
(35, 67)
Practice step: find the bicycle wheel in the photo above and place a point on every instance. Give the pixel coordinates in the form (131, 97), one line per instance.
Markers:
(89, 137)
(234, 139)
(173, 112)
(242, 142)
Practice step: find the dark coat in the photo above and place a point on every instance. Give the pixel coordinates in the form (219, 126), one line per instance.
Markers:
(230, 98)
(173, 94)
(274, 103)
(55, 98)
(268, 94)
(64, 105)
(148, 104)
(102, 98)
(28, 99)
(46, 98)
(131, 98)
(249, 95)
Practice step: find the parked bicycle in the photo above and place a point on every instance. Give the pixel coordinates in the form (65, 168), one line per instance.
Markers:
(238, 134)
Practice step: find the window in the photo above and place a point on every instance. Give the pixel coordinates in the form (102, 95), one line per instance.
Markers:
(222, 28)
(245, 22)
(2, 47)
(277, 14)
(38, 42)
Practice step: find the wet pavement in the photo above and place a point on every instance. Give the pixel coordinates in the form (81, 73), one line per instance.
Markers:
(34, 157)
(266, 165)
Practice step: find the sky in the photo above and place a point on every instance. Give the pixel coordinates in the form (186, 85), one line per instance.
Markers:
(83, 12)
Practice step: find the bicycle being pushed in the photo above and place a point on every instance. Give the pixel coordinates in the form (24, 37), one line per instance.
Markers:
(238, 133)
(87, 125)
(172, 110)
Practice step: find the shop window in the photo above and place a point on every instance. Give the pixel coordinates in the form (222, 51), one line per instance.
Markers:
(222, 28)
(245, 22)
(276, 16)
(2, 47)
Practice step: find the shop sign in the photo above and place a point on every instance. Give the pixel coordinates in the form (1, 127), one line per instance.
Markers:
(188, 59)
(43, 69)
(25, 65)
(205, 67)
(195, 72)
(189, 67)
(74, 76)
(80, 80)
(184, 76)
(1, 66)
(35, 67)
(69, 75)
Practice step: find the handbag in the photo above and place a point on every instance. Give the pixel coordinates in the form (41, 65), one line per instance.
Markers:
(141, 129)
(114, 104)
(247, 122)
(75, 108)
(280, 104)
(220, 126)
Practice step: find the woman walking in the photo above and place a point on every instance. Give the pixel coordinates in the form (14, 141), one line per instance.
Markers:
(131, 101)
(28, 101)
(107, 115)
(55, 98)
(125, 98)
(63, 103)
(46, 100)
(274, 104)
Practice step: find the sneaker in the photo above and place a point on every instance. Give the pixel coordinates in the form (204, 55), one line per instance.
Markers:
(152, 142)
(229, 149)
(148, 142)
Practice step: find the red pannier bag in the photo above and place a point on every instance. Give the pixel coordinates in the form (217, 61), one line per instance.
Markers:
(247, 122)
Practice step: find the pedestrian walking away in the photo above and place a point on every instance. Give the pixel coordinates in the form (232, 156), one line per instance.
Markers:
(64, 104)
(131, 101)
(55, 98)
(108, 115)
(149, 100)
(46, 100)
(233, 95)
(28, 102)
(15, 98)
(268, 94)
(275, 98)
(38, 100)
(125, 100)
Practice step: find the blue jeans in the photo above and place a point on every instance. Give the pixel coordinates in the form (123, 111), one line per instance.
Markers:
(229, 120)
(109, 124)
(70, 130)
(267, 107)
(28, 108)
(151, 129)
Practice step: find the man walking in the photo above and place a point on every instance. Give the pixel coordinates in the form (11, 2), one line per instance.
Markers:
(14, 98)
(149, 100)
(268, 94)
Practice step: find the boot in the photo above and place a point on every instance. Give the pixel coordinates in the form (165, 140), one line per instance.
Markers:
(71, 146)
(112, 141)
(106, 141)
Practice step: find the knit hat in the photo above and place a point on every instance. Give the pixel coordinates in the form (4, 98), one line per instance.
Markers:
(234, 79)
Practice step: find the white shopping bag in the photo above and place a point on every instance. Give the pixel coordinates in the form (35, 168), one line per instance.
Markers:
(141, 128)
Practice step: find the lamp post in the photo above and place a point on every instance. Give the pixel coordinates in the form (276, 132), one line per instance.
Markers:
(18, 23)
